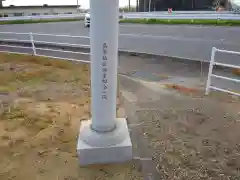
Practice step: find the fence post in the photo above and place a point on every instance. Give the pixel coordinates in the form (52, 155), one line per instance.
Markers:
(210, 70)
(32, 42)
(201, 69)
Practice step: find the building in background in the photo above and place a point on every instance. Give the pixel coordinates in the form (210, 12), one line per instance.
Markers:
(180, 5)
(11, 11)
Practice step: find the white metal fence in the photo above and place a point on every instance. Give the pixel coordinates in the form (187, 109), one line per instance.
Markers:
(226, 15)
(210, 73)
(41, 17)
(35, 50)
(153, 15)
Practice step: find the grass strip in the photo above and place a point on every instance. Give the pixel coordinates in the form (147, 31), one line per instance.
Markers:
(214, 22)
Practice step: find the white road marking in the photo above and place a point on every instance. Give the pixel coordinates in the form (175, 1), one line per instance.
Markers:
(178, 38)
(179, 26)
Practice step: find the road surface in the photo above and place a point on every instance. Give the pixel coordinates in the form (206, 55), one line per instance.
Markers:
(192, 42)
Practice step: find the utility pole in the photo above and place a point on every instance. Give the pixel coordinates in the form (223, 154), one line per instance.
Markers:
(129, 5)
(193, 4)
(144, 5)
(137, 6)
(149, 5)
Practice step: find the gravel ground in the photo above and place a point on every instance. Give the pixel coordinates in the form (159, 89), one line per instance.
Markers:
(180, 134)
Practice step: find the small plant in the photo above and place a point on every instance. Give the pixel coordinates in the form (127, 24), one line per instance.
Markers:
(236, 72)
(152, 21)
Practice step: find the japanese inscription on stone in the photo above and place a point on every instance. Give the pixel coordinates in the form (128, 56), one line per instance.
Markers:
(104, 72)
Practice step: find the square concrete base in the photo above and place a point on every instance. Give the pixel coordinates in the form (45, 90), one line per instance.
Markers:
(106, 154)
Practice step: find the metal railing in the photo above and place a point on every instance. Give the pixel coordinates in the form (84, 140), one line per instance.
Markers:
(182, 16)
(210, 73)
(31, 40)
(192, 15)
(41, 17)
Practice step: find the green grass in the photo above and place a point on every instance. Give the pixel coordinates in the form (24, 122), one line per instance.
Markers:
(39, 21)
(140, 21)
(183, 21)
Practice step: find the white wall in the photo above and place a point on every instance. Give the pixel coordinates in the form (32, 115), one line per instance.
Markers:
(37, 11)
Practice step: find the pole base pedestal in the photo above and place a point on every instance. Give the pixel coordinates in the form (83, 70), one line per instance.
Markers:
(103, 148)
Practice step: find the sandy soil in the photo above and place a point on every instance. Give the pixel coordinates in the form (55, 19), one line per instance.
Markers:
(177, 132)
(181, 133)
(42, 104)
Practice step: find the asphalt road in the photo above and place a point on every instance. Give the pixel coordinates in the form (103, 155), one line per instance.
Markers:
(192, 42)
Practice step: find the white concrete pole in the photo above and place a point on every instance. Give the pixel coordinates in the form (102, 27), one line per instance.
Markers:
(104, 139)
(104, 62)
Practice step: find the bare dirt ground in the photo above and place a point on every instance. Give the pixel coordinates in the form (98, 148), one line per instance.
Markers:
(42, 103)
(178, 132)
